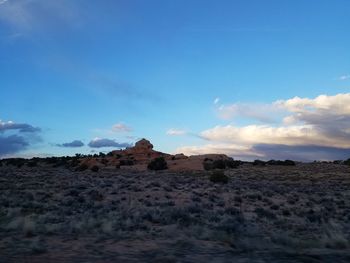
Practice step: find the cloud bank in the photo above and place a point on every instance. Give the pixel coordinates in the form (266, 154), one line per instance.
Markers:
(17, 137)
(310, 129)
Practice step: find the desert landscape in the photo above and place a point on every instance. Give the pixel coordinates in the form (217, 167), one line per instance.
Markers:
(165, 131)
(67, 210)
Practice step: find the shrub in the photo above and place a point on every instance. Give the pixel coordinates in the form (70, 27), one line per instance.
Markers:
(82, 167)
(158, 164)
(219, 164)
(61, 162)
(218, 177)
(347, 162)
(19, 162)
(32, 163)
(104, 161)
(95, 168)
(289, 162)
(230, 163)
(279, 162)
(259, 162)
(209, 164)
(74, 162)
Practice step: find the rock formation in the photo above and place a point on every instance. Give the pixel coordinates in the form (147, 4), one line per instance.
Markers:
(139, 156)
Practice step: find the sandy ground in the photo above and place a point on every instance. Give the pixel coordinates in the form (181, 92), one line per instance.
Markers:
(264, 214)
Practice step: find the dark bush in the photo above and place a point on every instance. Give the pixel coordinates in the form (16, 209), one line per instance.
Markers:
(95, 168)
(209, 164)
(219, 164)
(232, 163)
(82, 167)
(218, 177)
(347, 162)
(19, 162)
(158, 164)
(104, 161)
(259, 163)
(279, 162)
(73, 163)
(32, 163)
(61, 162)
(51, 160)
(289, 163)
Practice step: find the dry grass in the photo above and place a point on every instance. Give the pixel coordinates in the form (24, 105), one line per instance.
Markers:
(273, 212)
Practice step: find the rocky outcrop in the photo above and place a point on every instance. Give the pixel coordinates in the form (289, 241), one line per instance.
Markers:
(139, 156)
(141, 153)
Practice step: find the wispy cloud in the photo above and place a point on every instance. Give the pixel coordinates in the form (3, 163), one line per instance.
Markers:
(257, 111)
(176, 132)
(28, 16)
(121, 127)
(344, 77)
(216, 101)
(230, 29)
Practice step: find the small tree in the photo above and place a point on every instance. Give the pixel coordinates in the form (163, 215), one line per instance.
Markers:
(158, 164)
(95, 168)
(82, 167)
(218, 177)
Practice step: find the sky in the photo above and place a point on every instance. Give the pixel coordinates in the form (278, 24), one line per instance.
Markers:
(249, 78)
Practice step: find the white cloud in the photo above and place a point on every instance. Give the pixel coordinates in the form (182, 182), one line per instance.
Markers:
(121, 127)
(3, 1)
(337, 104)
(323, 121)
(344, 77)
(217, 100)
(286, 135)
(176, 132)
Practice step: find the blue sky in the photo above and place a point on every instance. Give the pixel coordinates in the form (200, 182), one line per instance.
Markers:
(191, 76)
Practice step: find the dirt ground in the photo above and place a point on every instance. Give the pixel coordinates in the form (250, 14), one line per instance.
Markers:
(263, 214)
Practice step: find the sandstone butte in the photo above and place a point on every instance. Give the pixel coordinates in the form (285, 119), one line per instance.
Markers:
(138, 157)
